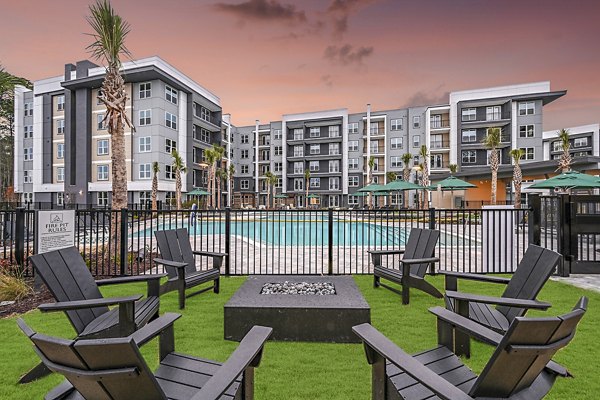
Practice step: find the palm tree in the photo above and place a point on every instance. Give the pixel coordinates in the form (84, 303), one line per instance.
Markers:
(210, 157)
(453, 168)
(155, 171)
(371, 165)
(307, 182)
(391, 176)
(270, 180)
(178, 169)
(564, 164)
(491, 142)
(516, 155)
(406, 157)
(419, 171)
(231, 180)
(424, 153)
(219, 151)
(110, 32)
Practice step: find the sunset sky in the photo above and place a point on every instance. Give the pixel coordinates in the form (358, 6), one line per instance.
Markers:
(265, 58)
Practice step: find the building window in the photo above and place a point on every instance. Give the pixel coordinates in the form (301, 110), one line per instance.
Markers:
(416, 141)
(244, 168)
(60, 126)
(374, 147)
(469, 156)
(334, 166)
(315, 182)
(278, 150)
(580, 142)
(334, 149)
(396, 124)
(244, 154)
(60, 151)
(416, 121)
(469, 136)
(245, 184)
(313, 166)
(60, 174)
(244, 139)
(437, 161)
(353, 163)
(469, 114)
(298, 134)
(353, 181)
(527, 108)
(395, 162)
(170, 120)
(27, 131)
(278, 167)
(315, 149)
(102, 199)
(27, 176)
(277, 134)
(102, 145)
(145, 90)
(60, 199)
(557, 146)
(334, 183)
(353, 145)
(526, 131)
(353, 127)
(102, 172)
(298, 184)
(315, 132)
(352, 200)
(171, 94)
(28, 154)
(298, 151)
(528, 153)
(201, 134)
(396, 143)
(145, 171)
(60, 103)
(374, 129)
(205, 114)
(170, 146)
(334, 131)
(100, 123)
(28, 197)
(298, 167)
(145, 117)
(28, 109)
(169, 172)
(145, 144)
(493, 113)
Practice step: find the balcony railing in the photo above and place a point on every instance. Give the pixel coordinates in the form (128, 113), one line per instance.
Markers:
(439, 144)
(439, 124)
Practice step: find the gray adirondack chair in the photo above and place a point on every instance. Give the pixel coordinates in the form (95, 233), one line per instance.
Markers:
(521, 367)
(417, 255)
(520, 294)
(69, 280)
(178, 258)
(114, 369)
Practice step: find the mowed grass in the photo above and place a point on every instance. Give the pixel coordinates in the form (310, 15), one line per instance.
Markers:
(306, 370)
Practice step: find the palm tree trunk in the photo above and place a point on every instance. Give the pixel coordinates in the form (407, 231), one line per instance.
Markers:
(119, 188)
(494, 186)
(219, 193)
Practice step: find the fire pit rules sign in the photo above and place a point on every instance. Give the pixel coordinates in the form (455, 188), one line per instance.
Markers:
(55, 230)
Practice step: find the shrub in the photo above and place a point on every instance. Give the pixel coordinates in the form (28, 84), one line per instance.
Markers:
(13, 287)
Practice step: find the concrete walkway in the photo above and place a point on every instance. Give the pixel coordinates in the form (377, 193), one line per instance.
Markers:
(590, 282)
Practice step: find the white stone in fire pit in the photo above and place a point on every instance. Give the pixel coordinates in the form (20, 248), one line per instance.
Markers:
(301, 288)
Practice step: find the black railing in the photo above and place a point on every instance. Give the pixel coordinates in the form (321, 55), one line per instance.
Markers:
(283, 241)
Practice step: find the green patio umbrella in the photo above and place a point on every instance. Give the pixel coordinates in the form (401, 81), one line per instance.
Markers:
(568, 180)
(395, 186)
(452, 183)
(360, 194)
(198, 192)
(281, 196)
(380, 194)
(313, 196)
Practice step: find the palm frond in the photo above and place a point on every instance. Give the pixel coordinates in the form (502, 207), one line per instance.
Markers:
(493, 138)
(110, 31)
(517, 154)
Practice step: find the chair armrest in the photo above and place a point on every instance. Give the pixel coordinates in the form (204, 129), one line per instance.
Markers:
(386, 252)
(247, 354)
(377, 342)
(80, 304)
(154, 328)
(501, 301)
(410, 261)
(475, 277)
(129, 279)
(169, 263)
(466, 325)
(208, 253)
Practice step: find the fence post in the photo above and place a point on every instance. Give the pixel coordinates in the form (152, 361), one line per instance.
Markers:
(535, 218)
(228, 240)
(432, 226)
(123, 241)
(19, 237)
(564, 235)
(330, 241)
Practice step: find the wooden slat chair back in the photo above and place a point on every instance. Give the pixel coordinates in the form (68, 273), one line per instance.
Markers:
(104, 369)
(524, 352)
(68, 278)
(420, 244)
(175, 245)
(532, 273)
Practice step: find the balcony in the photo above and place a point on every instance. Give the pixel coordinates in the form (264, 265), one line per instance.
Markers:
(439, 144)
(439, 124)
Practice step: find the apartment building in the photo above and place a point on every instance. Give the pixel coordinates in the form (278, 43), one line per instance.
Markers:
(63, 149)
(335, 146)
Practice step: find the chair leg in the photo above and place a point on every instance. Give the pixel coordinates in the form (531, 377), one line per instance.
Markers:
(181, 292)
(376, 282)
(37, 372)
(217, 286)
(405, 290)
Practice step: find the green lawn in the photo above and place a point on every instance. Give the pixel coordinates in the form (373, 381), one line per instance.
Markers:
(312, 371)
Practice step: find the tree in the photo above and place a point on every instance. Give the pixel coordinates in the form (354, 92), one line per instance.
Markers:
(231, 181)
(213, 157)
(270, 180)
(491, 142)
(424, 153)
(110, 32)
(406, 157)
(210, 156)
(307, 182)
(453, 168)
(221, 177)
(371, 165)
(391, 176)
(516, 155)
(155, 171)
(178, 169)
(419, 172)
(564, 163)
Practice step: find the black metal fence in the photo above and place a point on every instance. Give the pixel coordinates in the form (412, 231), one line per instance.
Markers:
(283, 241)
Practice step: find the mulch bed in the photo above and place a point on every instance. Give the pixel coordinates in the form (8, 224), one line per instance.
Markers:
(29, 303)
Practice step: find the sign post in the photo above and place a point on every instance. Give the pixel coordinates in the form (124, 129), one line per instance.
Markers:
(55, 230)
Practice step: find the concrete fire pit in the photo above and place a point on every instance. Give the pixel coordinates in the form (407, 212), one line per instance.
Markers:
(298, 308)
